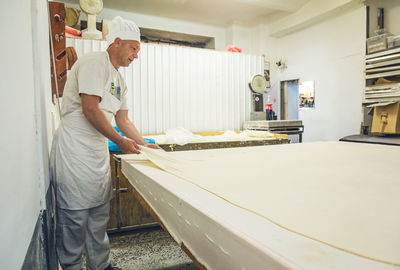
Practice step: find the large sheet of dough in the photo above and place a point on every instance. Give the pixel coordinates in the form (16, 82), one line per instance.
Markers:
(346, 195)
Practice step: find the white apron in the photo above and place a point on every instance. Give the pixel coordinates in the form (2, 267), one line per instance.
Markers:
(79, 163)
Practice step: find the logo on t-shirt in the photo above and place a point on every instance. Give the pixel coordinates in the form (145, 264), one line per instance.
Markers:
(115, 91)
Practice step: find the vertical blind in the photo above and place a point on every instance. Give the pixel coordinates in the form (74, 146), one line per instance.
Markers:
(198, 89)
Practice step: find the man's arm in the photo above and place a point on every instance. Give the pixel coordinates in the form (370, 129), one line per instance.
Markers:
(92, 111)
(128, 128)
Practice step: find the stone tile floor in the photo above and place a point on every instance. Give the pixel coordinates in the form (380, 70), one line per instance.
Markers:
(148, 249)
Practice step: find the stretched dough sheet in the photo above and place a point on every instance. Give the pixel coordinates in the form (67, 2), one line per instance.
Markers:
(342, 194)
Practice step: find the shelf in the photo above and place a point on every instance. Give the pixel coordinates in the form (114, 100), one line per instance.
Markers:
(381, 64)
(383, 53)
(383, 74)
(374, 70)
(389, 86)
(383, 58)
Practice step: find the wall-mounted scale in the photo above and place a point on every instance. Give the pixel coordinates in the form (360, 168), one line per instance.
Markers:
(258, 86)
(91, 8)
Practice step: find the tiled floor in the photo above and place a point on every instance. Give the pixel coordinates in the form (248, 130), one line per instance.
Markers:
(147, 250)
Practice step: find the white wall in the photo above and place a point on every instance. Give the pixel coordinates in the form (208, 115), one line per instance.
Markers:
(22, 174)
(392, 18)
(313, 12)
(391, 14)
(19, 149)
(242, 37)
(332, 53)
(171, 25)
(47, 115)
(164, 24)
(245, 37)
(267, 45)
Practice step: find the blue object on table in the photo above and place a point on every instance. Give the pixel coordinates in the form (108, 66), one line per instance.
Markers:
(112, 147)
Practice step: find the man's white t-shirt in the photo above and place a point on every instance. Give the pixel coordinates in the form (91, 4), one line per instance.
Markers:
(94, 74)
(80, 157)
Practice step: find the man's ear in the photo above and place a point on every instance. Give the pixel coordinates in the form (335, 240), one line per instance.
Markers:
(117, 42)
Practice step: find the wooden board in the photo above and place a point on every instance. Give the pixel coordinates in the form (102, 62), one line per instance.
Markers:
(227, 144)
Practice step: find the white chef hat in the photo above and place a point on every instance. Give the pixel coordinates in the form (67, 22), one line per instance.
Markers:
(124, 29)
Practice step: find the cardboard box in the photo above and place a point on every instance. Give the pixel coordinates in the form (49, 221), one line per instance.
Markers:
(393, 42)
(386, 118)
(377, 43)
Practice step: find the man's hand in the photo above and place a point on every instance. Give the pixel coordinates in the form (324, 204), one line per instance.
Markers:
(154, 146)
(128, 146)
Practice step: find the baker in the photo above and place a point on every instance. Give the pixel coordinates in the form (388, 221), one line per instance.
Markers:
(95, 92)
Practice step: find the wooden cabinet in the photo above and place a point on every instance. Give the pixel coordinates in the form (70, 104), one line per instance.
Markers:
(126, 213)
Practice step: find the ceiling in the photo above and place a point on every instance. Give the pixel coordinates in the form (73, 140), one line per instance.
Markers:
(213, 12)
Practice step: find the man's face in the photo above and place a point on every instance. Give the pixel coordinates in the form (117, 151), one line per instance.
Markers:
(128, 51)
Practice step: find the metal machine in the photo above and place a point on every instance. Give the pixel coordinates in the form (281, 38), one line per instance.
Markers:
(290, 127)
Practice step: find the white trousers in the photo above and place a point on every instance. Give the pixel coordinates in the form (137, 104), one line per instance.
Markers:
(77, 229)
